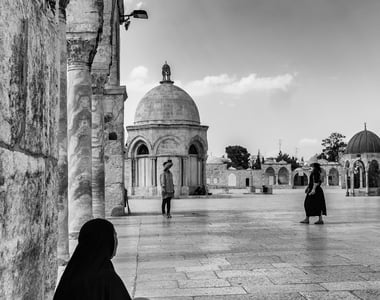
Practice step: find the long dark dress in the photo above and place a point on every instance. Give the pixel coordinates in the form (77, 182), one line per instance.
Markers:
(315, 205)
(90, 275)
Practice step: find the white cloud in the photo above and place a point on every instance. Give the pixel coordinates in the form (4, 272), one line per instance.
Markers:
(233, 85)
(308, 142)
(129, 5)
(139, 72)
(140, 5)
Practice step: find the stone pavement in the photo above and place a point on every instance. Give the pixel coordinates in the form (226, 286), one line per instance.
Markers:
(251, 247)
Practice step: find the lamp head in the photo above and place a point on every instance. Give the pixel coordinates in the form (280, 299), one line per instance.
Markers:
(140, 14)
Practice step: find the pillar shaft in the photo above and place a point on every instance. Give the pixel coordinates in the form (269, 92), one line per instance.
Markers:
(79, 122)
(98, 180)
(63, 231)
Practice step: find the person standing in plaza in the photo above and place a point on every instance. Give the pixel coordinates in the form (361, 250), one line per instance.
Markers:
(167, 187)
(314, 204)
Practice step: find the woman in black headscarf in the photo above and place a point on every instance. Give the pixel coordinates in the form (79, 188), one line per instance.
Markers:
(90, 275)
(315, 204)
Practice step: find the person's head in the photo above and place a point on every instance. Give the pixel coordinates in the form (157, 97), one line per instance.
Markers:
(99, 235)
(316, 167)
(168, 164)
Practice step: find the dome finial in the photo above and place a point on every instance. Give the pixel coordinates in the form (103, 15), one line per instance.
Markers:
(365, 126)
(166, 73)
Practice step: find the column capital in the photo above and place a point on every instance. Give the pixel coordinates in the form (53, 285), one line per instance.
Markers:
(80, 52)
(98, 81)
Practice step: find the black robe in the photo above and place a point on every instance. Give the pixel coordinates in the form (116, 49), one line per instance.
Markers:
(90, 275)
(315, 205)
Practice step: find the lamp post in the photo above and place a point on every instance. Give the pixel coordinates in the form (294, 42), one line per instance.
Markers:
(138, 14)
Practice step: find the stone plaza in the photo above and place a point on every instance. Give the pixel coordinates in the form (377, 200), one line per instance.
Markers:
(251, 247)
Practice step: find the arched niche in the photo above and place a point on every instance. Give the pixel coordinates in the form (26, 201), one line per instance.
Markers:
(283, 176)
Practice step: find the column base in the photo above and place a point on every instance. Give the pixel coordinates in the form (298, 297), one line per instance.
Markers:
(118, 211)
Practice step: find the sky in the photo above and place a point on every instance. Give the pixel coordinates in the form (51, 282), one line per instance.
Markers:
(265, 74)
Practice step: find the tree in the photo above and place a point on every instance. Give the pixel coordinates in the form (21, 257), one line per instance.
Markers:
(257, 164)
(334, 146)
(239, 156)
(290, 160)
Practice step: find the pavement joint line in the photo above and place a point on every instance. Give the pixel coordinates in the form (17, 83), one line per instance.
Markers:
(137, 262)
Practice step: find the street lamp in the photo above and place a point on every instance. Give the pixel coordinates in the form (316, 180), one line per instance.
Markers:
(138, 14)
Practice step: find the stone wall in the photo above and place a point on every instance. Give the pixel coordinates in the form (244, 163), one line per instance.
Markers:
(28, 149)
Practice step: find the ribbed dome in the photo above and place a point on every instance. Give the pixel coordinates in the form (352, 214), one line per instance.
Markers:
(363, 142)
(167, 104)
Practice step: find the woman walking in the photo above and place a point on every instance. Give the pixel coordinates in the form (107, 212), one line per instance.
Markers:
(315, 205)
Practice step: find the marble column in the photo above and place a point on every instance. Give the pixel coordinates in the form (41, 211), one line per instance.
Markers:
(347, 190)
(63, 231)
(80, 53)
(98, 180)
(360, 178)
(366, 182)
(352, 183)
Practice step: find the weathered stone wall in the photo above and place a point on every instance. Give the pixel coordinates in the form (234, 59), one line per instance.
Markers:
(28, 149)
(113, 105)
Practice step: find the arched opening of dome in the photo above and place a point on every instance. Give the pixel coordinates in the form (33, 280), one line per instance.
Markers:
(333, 178)
(374, 174)
(359, 175)
(196, 166)
(142, 170)
(193, 150)
(283, 176)
(269, 176)
(142, 150)
(300, 179)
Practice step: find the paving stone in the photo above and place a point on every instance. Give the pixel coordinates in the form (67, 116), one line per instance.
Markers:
(329, 295)
(201, 275)
(367, 294)
(197, 283)
(160, 277)
(159, 284)
(284, 288)
(351, 285)
(272, 296)
(190, 292)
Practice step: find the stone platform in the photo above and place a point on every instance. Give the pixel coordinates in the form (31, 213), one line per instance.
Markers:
(251, 248)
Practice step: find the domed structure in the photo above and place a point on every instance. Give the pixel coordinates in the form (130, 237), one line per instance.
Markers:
(361, 164)
(167, 104)
(363, 142)
(166, 126)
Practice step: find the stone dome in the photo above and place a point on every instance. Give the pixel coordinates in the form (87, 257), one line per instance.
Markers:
(363, 142)
(167, 104)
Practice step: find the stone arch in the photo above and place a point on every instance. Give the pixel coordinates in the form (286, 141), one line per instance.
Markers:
(359, 174)
(141, 168)
(167, 145)
(270, 176)
(333, 177)
(136, 142)
(283, 176)
(231, 179)
(200, 145)
(300, 178)
(373, 174)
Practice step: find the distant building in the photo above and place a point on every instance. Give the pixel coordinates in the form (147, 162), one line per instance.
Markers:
(166, 126)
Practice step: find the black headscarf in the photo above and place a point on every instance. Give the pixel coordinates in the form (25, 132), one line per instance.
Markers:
(90, 273)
